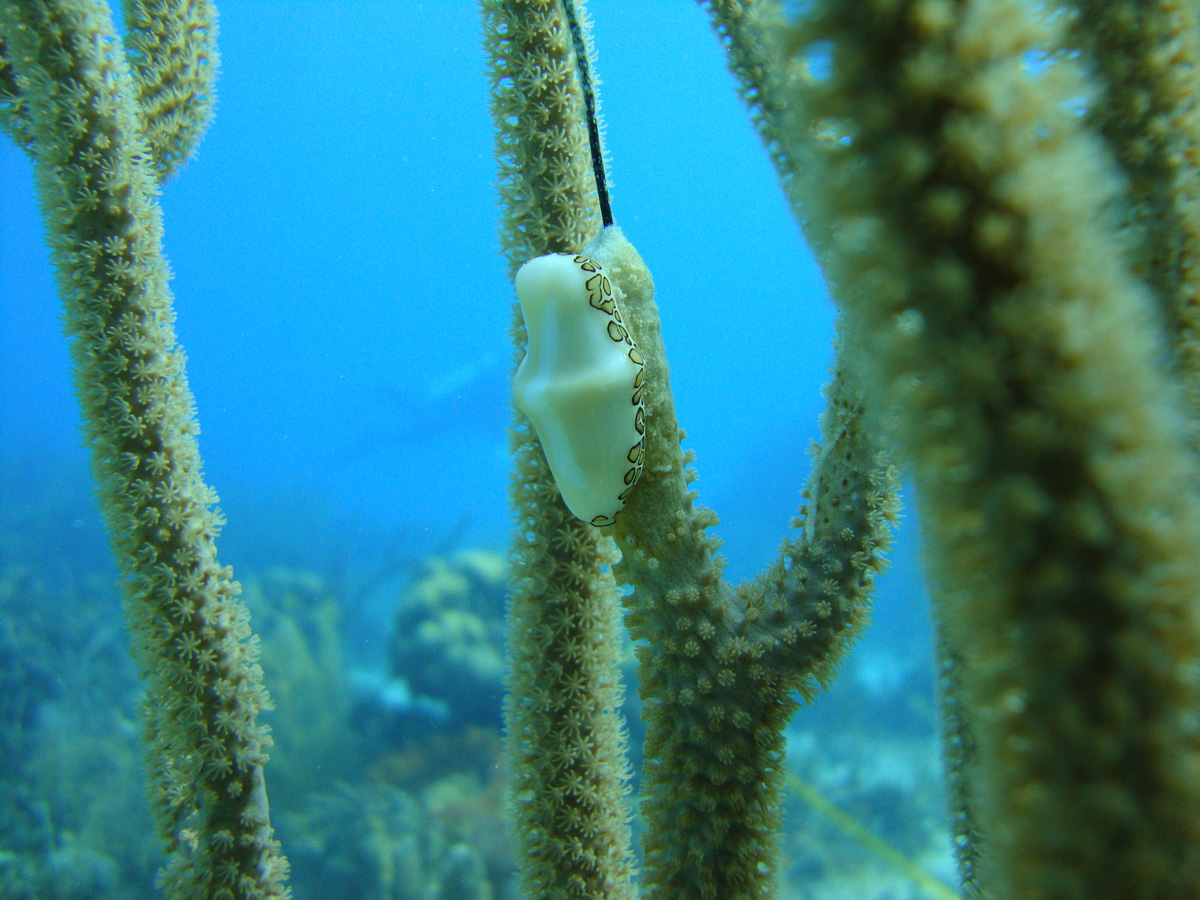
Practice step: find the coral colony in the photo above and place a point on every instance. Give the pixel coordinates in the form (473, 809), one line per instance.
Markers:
(1003, 196)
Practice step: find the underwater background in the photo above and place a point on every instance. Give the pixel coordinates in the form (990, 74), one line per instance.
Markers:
(344, 308)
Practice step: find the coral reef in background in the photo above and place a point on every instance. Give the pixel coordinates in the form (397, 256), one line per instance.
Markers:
(72, 784)
(369, 807)
(367, 810)
(363, 814)
(447, 639)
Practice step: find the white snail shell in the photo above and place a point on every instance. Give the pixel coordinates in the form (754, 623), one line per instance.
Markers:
(580, 384)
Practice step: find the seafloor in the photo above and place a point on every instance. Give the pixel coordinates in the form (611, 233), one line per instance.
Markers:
(386, 668)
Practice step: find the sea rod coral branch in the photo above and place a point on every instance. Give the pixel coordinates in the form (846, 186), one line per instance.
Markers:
(190, 633)
(961, 204)
(720, 664)
(565, 741)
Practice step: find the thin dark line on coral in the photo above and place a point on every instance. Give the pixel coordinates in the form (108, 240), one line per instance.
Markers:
(589, 102)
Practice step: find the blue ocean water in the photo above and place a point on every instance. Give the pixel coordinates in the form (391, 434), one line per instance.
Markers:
(344, 307)
(339, 291)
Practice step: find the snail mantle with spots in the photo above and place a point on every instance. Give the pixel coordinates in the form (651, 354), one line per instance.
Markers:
(580, 383)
